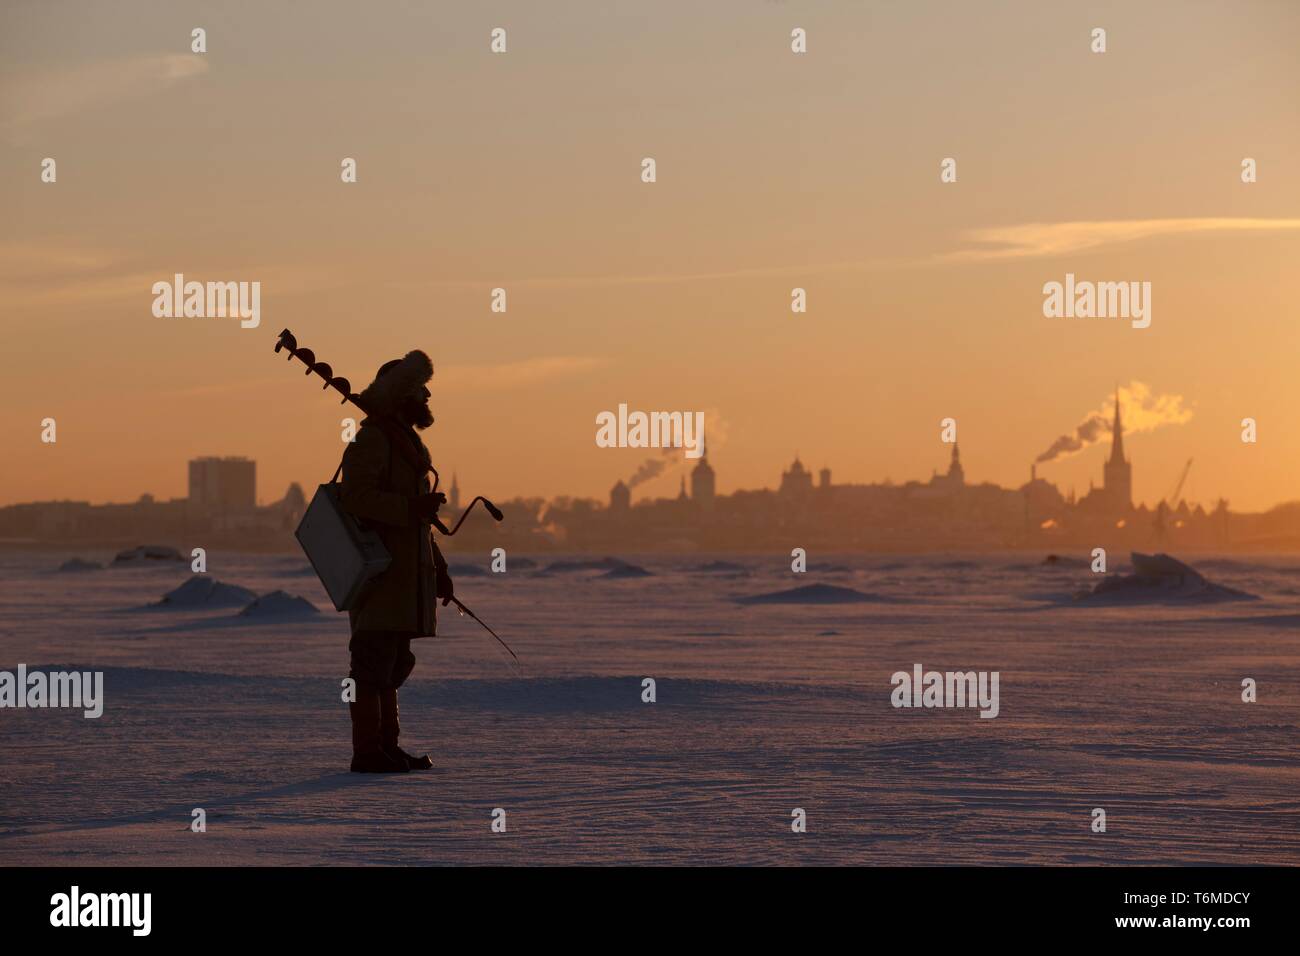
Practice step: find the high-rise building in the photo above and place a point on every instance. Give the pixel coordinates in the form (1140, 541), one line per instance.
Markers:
(223, 484)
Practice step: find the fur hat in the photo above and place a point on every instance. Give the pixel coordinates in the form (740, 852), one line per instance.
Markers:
(394, 381)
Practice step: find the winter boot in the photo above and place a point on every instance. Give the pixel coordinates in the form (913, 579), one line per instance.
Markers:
(389, 728)
(368, 755)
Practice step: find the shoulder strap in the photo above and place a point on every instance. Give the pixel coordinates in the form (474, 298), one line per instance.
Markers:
(398, 440)
(395, 440)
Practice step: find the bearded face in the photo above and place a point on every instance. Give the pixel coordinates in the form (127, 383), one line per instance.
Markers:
(415, 411)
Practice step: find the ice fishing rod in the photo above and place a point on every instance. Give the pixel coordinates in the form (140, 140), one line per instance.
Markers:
(464, 610)
(287, 340)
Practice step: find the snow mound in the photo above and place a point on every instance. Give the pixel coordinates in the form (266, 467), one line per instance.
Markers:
(627, 571)
(146, 554)
(206, 592)
(814, 594)
(1063, 561)
(77, 564)
(720, 567)
(569, 567)
(279, 604)
(1159, 578)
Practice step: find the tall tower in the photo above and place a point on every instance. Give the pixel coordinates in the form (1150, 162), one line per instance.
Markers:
(702, 483)
(453, 499)
(620, 497)
(956, 474)
(1118, 473)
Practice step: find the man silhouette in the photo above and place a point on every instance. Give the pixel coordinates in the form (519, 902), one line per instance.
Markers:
(386, 485)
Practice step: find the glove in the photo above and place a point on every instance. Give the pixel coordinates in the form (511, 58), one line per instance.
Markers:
(446, 589)
(425, 507)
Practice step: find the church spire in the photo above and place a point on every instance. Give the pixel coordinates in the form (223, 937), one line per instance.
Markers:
(955, 471)
(1117, 434)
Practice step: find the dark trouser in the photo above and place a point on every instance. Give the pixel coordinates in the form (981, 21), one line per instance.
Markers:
(381, 659)
(381, 662)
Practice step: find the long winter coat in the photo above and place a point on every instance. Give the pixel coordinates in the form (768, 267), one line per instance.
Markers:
(378, 487)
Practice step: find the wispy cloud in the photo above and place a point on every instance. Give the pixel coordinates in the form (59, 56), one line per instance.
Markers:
(1043, 239)
(53, 273)
(29, 96)
(1023, 241)
(47, 274)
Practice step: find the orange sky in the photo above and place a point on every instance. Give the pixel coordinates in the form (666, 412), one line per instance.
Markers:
(774, 170)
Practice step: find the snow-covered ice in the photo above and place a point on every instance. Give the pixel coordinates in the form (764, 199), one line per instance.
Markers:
(760, 709)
